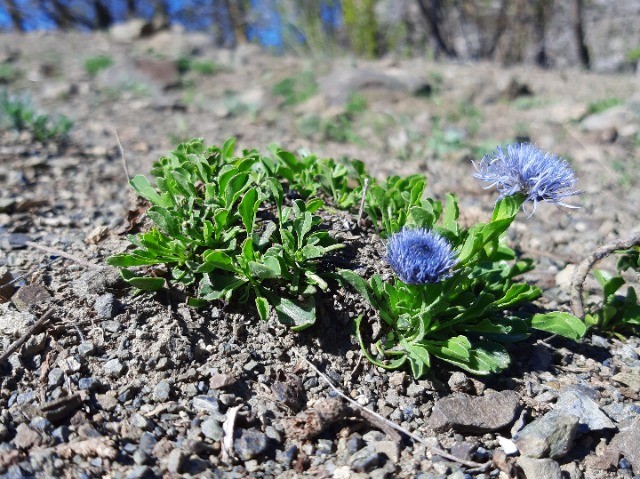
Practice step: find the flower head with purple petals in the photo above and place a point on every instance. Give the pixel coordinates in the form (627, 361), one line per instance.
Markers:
(527, 170)
(420, 256)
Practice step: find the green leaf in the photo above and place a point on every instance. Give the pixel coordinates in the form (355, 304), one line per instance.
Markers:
(265, 271)
(126, 260)
(516, 294)
(144, 283)
(564, 324)
(395, 364)
(228, 149)
(507, 208)
(248, 208)
(451, 212)
(358, 283)
(218, 259)
(296, 316)
(143, 187)
(169, 224)
(262, 305)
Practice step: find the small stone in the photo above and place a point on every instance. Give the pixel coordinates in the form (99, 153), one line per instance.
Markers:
(221, 381)
(142, 422)
(355, 443)
(549, 436)
(88, 384)
(324, 446)
(539, 468)
(212, 429)
(632, 380)
(86, 348)
(25, 397)
(114, 368)
(14, 323)
(61, 433)
(209, 405)
(459, 382)
(162, 391)
(574, 401)
(475, 414)
(55, 377)
(250, 365)
(106, 402)
(141, 472)
(250, 444)
(30, 297)
(26, 438)
(391, 449)
(366, 460)
(70, 365)
(175, 461)
(147, 442)
(415, 390)
(105, 306)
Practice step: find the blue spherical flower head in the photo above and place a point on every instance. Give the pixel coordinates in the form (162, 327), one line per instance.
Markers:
(525, 169)
(420, 256)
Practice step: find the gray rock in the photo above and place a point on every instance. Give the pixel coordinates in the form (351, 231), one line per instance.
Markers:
(141, 472)
(26, 438)
(366, 460)
(14, 323)
(622, 411)
(105, 306)
(539, 468)
(630, 379)
(208, 404)
(114, 368)
(142, 422)
(549, 436)
(86, 348)
(162, 391)
(572, 401)
(70, 365)
(619, 118)
(125, 32)
(30, 297)
(88, 384)
(147, 442)
(212, 429)
(250, 444)
(459, 382)
(175, 461)
(96, 281)
(55, 377)
(475, 414)
(624, 443)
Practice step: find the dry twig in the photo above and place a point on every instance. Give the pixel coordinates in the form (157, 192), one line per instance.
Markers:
(59, 252)
(23, 339)
(122, 157)
(372, 414)
(581, 272)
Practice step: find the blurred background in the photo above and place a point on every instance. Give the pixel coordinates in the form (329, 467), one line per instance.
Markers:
(602, 35)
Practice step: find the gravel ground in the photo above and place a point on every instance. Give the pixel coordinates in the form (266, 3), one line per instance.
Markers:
(124, 386)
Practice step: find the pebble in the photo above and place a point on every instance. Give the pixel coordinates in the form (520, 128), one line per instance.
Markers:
(539, 468)
(86, 348)
(162, 391)
(142, 422)
(175, 461)
(61, 433)
(212, 429)
(26, 438)
(14, 323)
(355, 443)
(105, 306)
(475, 414)
(573, 401)
(55, 377)
(30, 297)
(286, 457)
(366, 460)
(141, 472)
(459, 382)
(70, 365)
(41, 424)
(209, 405)
(114, 368)
(147, 442)
(549, 436)
(250, 444)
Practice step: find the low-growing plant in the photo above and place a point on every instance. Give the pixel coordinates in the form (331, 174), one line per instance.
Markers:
(599, 106)
(297, 88)
(619, 314)
(202, 67)
(224, 227)
(8, 73)
(16, 112)
(252, 227)
(95, 65)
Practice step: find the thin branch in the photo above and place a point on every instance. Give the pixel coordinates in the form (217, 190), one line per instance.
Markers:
(581, 272)
(59, 252)
(23, 339)
(122, 157)
(400, 429)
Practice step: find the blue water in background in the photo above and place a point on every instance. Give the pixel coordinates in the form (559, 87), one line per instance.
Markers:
(265, 25)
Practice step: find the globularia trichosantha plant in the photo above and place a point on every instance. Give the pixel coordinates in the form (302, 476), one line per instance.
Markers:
(254, 227)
